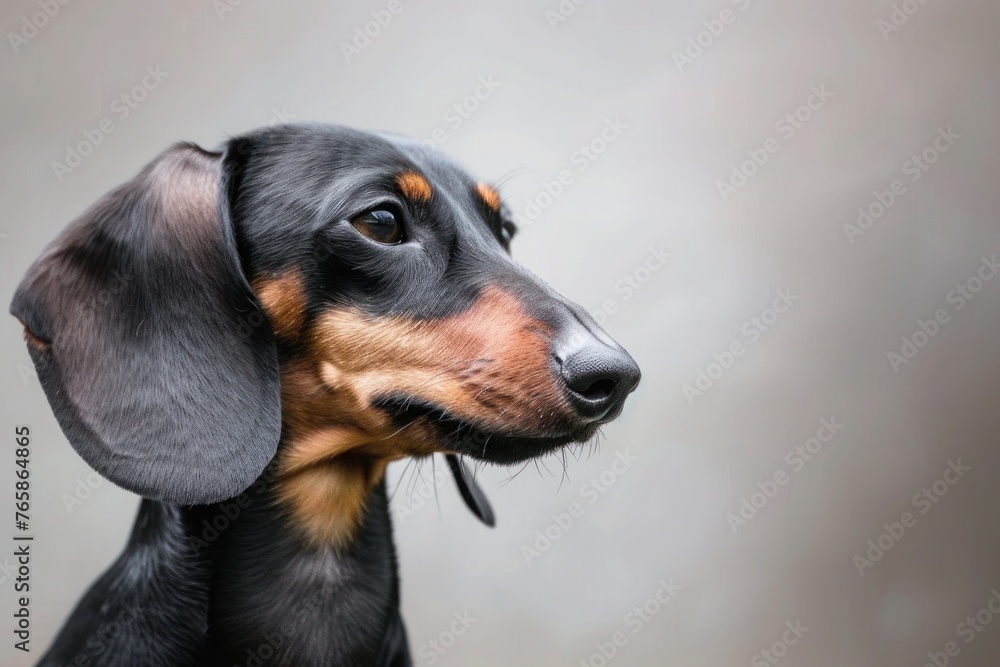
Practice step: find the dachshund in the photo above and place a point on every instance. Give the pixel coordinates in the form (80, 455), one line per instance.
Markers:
(246, 338)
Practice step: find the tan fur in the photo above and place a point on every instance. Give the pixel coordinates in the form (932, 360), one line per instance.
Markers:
(489, 196)
(488, 365)
(414, 186)
(284, 300)
(326, 500)
(33, 340)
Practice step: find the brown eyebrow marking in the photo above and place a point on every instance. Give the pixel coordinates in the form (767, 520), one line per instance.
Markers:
(489, 196)
(414, 186)
(283, 298)
(33, 340)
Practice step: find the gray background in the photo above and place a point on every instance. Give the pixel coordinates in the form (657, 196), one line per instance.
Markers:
(656, 185)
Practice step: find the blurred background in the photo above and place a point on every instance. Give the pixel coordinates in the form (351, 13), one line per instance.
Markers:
(787, 212)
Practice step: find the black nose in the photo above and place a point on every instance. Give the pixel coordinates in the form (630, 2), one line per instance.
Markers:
(598, 378)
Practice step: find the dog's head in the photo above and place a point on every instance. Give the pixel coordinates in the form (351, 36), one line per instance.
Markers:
(348, 295)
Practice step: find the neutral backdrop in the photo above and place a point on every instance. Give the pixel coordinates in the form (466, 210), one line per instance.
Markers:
(886, 93)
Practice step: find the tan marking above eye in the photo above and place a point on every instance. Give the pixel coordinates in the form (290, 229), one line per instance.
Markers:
(283, 299)
(489, 196)
(414, 186)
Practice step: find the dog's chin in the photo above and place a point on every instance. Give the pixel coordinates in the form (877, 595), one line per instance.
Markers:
(489, 444)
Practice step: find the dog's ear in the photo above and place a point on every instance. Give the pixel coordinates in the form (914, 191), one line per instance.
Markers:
(141, 325)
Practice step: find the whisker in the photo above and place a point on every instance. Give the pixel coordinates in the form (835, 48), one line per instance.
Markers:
(418, 475)
(513, 173)
(400, 480)
(511, 478)
(437, 500)
(565, 475)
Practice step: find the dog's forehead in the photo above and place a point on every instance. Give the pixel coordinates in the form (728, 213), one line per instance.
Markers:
(437, 165)
(298, 181)
(329, 170)
(334, 152)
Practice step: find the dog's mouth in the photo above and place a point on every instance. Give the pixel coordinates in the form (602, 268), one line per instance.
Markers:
(504, 446)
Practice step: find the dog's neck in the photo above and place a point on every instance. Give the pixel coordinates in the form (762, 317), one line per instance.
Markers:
(323, 484)
(269, 578)
(334, 449)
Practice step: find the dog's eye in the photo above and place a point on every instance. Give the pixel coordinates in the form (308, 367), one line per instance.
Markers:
(379, 225)
(507, 232)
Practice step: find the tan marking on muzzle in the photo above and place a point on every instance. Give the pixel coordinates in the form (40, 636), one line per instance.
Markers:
(489, 365)
(414, 186)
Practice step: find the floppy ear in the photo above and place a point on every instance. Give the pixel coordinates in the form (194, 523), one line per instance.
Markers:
(140, 323)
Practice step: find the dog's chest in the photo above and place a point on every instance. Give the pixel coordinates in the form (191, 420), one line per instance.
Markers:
(277, 600)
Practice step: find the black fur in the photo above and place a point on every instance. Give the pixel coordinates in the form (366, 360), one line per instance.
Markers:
(164, 374)
(231, 584)
(148, 366)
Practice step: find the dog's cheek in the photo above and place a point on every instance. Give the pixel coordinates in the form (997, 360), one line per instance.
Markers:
(490, 364)
(283, 299)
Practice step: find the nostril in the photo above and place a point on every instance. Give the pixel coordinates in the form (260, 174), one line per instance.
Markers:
(597, 380)
(598, 390)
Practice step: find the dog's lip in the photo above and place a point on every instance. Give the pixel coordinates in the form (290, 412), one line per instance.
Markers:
(461, 436)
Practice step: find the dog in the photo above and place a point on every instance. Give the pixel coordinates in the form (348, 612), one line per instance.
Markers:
(246, 338)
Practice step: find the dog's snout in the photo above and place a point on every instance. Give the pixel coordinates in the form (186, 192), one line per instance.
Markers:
(597, 378)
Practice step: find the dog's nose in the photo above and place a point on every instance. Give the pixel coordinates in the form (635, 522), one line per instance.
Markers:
(598, 377)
